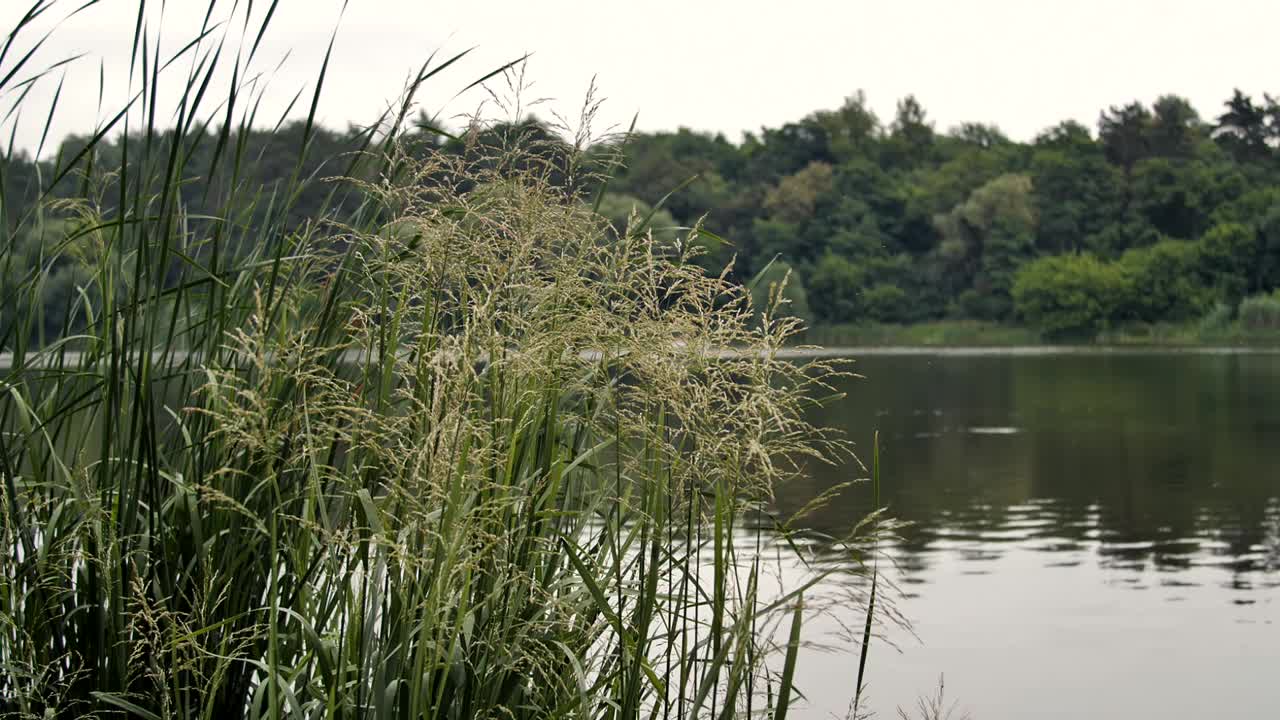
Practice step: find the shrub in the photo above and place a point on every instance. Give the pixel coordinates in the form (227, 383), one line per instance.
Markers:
(835, 288)
(1261, 312)
(983, 304)
(1217, 319)
(1070, 296)
(1228, 256)
(885, 303)
(1113, 238)
(1166, 282)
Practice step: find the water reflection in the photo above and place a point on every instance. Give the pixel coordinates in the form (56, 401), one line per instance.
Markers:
(1107, 493)
(1162, 460)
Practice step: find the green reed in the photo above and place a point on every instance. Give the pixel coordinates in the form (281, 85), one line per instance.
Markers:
(449, 449)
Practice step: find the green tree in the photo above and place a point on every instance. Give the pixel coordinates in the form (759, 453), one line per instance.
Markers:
(772, 239)
(911, 135)
(886, 303)
(853, 130)
(947, 219)
(981, 135)
(985, 240)
(1129, 231)
(968, 167)
(1123, 132)
(1260, 210)
(864, 194)
(1229, 252)
(785, 150)
(1076, 190)
(1168, 195)
(835, 289)
(1166, 282)
(796, 196)
(1176, 127)
(1070, 296)
(656, 164)
(1246, 129)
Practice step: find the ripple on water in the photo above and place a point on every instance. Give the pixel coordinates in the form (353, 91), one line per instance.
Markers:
(993, 430)
(1055, 545)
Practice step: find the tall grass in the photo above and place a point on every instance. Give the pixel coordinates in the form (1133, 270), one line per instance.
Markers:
(448, 453)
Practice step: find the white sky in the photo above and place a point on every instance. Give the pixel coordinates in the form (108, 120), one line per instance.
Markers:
(728, 66)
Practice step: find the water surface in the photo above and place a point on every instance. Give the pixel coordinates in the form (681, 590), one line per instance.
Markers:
(1093, 534)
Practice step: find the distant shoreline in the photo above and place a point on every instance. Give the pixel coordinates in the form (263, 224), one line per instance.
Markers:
(963, 334)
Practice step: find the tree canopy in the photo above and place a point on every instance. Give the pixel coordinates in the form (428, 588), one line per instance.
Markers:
(886, 221)
(1155, 214)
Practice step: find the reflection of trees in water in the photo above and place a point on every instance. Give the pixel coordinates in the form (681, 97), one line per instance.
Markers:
(1164, 460)
(1271, 541)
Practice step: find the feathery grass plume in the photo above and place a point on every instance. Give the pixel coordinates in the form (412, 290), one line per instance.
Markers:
(935, 707)
(447, 449)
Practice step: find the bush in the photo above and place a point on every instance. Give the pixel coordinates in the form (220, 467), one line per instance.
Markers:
(1166, 282)
(835, 289)
(1261, 312)
(984, 305)
(1112, 239)
(1070, 296)
(885, 303)
(1228, 255)
(1216, 320)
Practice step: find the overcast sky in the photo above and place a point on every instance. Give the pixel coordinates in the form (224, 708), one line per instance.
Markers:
(725, 66)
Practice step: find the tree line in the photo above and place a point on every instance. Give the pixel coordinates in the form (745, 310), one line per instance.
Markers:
(1155, 215)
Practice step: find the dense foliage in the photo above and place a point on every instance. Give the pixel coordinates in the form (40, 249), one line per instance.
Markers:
(1170, 214)
(901, 223)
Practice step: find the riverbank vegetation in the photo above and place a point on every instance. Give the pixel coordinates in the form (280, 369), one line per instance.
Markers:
(386, 432)
(1256, 323)
(1156, 217)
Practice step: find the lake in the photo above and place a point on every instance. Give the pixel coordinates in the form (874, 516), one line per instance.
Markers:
(1094, 534)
